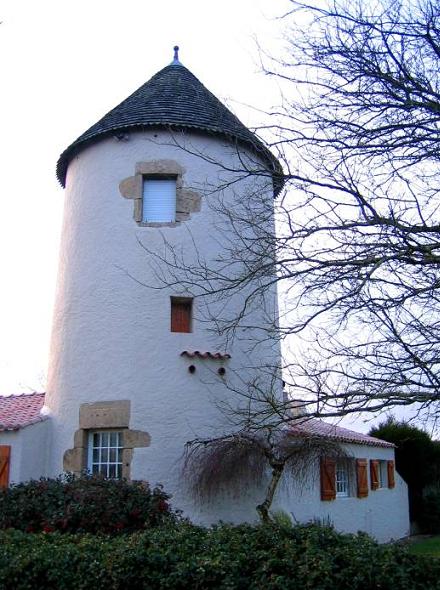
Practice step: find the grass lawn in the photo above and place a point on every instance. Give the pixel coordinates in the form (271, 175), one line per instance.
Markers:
(428, 546)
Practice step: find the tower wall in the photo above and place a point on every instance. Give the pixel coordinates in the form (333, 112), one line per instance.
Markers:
(111, 338)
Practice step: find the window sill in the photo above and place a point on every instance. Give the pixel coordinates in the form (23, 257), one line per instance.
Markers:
(159, 223)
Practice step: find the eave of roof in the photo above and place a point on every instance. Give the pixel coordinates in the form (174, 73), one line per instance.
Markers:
(175, 99)
(21, 410)
(313, 427)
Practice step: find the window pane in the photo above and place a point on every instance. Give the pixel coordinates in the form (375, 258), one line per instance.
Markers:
(105, 453)
(382, 473)
(159, 200)
(341, 480)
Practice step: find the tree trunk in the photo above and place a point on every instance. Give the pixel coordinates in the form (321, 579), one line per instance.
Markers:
(263, 509)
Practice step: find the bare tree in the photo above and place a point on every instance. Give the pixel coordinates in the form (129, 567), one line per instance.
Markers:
(356, 258)
(243, 458)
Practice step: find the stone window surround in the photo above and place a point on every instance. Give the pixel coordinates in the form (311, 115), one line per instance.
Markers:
(187, 201)
(104, 415)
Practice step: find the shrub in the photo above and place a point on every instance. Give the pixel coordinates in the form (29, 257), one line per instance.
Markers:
(182, 556)
(83, 504)
(430, 512)
(417, 458)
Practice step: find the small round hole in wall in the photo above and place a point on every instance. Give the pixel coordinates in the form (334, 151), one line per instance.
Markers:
(221, 371)
(192, 369)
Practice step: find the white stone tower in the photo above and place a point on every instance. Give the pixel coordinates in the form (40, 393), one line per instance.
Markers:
(123, 397)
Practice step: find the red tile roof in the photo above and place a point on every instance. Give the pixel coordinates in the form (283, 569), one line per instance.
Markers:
(206, 355)
(18, 411)
(305, 425)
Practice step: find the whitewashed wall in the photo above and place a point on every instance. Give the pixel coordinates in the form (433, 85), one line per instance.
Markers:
(111, 335)
(383, 514)
(30, 448)
(112, 341)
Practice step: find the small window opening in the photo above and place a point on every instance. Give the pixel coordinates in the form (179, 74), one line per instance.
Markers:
(342, 479)
(382, 474)
(181, 314)
(105, 453)
(158, 200)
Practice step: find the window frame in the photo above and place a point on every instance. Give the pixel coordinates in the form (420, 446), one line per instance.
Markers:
(343, 482)
(382, 472)
(108, 463)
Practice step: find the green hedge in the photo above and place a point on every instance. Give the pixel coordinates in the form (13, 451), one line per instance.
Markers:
(88, 504)
(183, 556)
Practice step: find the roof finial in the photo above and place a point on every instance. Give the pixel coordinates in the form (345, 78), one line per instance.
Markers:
(176, 56)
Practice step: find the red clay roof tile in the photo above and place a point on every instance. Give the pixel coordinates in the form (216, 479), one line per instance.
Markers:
(206, 355)
(18, 411)
(312, 426)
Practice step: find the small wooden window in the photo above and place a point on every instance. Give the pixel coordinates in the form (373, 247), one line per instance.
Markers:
(181, 314)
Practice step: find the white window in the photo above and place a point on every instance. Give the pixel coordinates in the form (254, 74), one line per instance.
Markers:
(342, 479)
(159, 200)
(382, 474)
(105, 453)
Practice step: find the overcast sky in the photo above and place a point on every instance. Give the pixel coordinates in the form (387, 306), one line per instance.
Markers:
(64, 65)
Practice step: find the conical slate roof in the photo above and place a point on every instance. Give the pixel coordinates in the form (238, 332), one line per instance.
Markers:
(173, 98)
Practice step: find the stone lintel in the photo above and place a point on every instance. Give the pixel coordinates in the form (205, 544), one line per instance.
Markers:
(107, 414)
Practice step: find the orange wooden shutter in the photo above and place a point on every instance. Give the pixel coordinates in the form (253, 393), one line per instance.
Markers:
(361, 478)
(374, 474)
(5, 456)
(181, 315)
(390, 470)
(328, 479)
